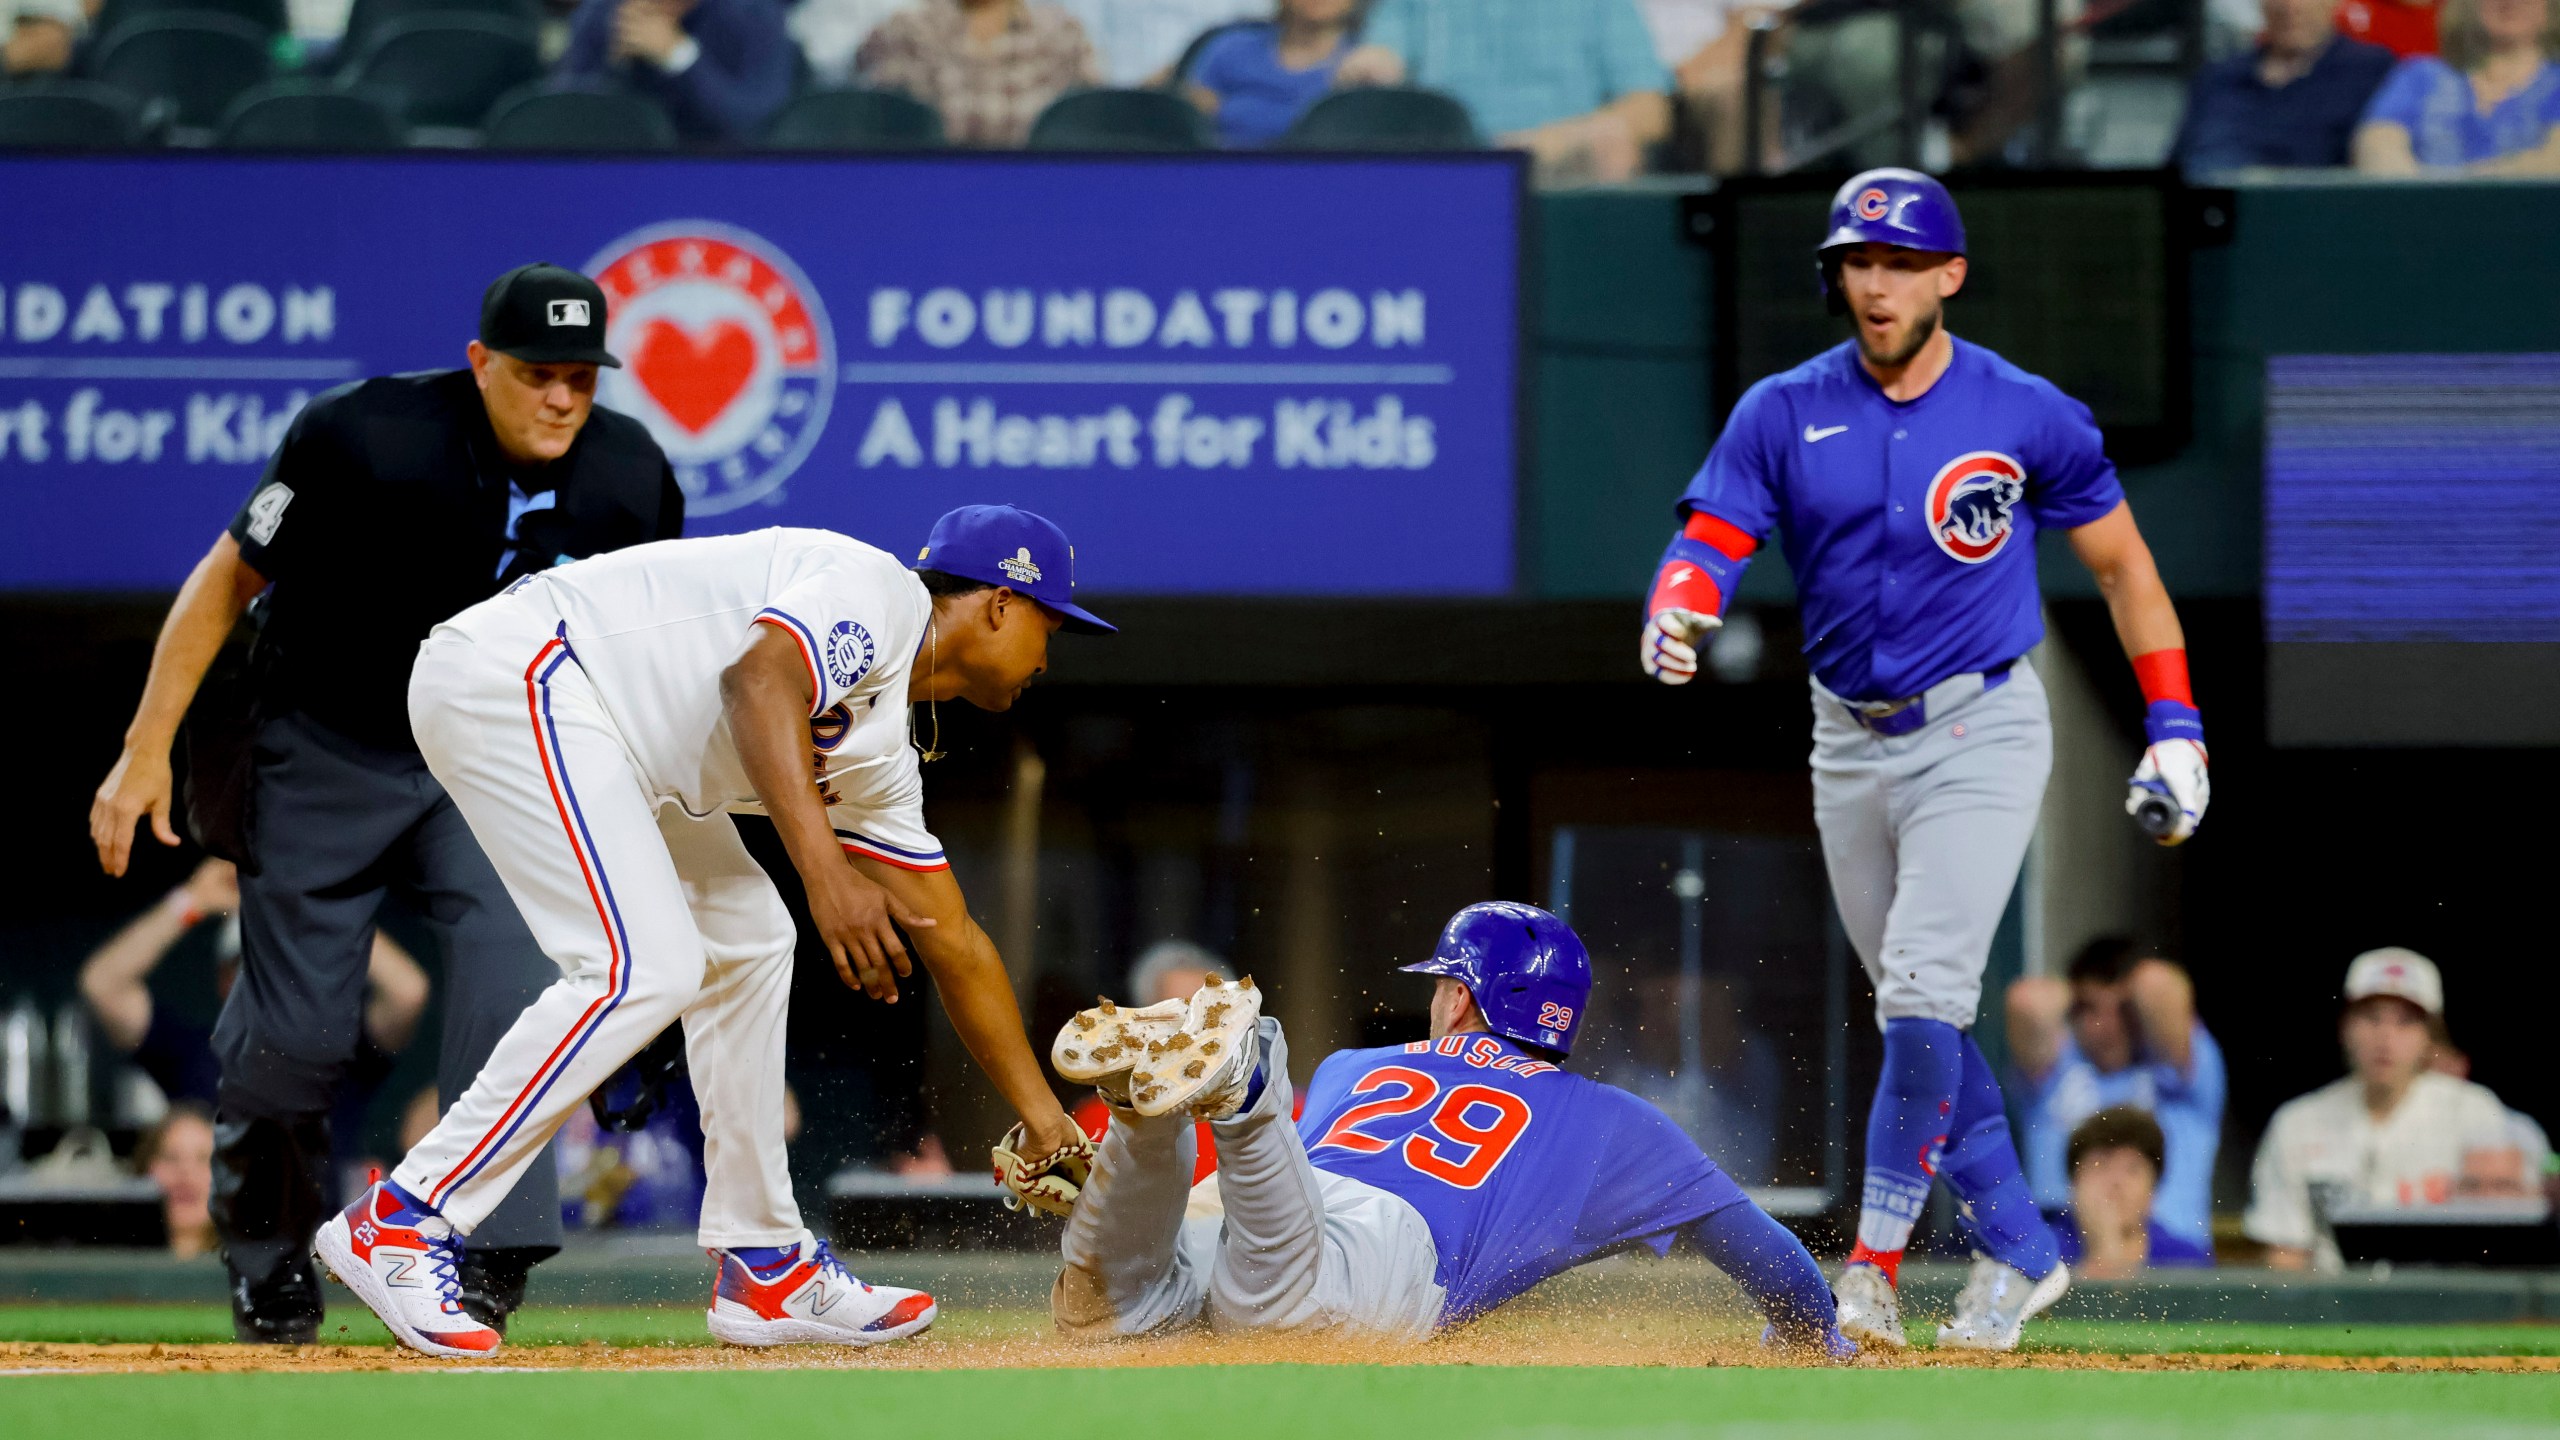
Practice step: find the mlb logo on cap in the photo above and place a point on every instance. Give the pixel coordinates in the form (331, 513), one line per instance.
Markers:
(569, 312)
(1002, 545)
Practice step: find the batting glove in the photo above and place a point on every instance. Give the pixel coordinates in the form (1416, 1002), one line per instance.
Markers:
(1669, 650)
(2173, 770)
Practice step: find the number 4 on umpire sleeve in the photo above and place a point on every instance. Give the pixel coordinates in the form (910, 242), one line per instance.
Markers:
(266, 512)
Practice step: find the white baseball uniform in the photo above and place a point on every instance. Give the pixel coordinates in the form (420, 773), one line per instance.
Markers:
(577, 721)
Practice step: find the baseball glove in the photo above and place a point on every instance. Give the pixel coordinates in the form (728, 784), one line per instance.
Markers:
(1050, 1184)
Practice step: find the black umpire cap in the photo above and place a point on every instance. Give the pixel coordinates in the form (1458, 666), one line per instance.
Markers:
(545, 315)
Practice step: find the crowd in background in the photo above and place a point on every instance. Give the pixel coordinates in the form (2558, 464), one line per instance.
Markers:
(1596, 90)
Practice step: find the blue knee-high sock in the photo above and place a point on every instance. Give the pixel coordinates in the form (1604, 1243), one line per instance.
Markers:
(1982, 1169)
(1772, 1267)
(1906, 1132)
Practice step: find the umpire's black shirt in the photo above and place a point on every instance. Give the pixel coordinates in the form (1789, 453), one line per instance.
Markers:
(386, 512)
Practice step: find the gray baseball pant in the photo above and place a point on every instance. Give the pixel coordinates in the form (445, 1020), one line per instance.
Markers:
(1296, 1249)
(1923, 835)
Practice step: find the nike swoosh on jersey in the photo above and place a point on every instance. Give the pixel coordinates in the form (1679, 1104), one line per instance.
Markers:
(1811, 434)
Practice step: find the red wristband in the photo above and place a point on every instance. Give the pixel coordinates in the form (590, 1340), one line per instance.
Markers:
(2163, 676)
(1724, 535)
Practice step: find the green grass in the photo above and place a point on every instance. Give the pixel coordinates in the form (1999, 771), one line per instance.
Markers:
(1337, 1403)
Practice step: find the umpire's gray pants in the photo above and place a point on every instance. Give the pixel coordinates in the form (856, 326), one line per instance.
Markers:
(1923, 834)
(1296, 1249)
(338, 825)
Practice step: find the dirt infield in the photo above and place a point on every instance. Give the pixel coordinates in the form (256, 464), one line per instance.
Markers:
(1486, 1347)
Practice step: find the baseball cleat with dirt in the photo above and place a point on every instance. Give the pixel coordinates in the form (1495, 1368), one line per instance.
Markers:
(1206, 1065)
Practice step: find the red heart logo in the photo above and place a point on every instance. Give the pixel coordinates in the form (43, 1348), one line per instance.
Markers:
(693, 376)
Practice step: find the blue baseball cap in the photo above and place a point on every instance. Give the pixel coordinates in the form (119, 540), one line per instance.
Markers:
(1014, 548)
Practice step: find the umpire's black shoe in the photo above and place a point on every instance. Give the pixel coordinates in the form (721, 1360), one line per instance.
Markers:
(493, 1280)
(282, 1309)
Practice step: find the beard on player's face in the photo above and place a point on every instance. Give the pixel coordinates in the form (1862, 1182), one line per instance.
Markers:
(1890, 343)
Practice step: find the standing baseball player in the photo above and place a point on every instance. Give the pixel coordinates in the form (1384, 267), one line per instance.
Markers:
(1426, 1184)
(1908, 473)
(596, 724)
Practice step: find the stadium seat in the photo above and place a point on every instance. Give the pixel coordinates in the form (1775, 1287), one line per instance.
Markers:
(1121, 120)
(535, 118)
(366, 18)
(71, 115)
(308, 115)
(855, 120)
(197, 60)
(447, 70)
(1384, 119)
(267, 15)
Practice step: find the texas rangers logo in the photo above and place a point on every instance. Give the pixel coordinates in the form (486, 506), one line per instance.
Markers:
(727, 356)
(1873, 204)
(1973, 504)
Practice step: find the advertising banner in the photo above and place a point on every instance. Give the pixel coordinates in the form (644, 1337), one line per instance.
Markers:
(1222, 375)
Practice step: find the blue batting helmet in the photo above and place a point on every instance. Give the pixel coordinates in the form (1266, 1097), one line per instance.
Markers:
(1888, 206)
(1526, 969)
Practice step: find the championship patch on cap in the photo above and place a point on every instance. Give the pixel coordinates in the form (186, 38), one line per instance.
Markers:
(1972, 505)
(728, 357)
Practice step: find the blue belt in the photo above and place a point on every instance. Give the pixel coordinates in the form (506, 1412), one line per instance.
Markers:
(1892, 718)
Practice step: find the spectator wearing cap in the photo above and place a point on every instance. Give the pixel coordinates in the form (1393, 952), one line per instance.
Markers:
(392, 504)
(2291, 102)
(2489, 106)
(2111, 1229)
(721, 67)
(2392, 1134)
(2120, 1030)
(989, 66)
(1576, 83)
(40, 36)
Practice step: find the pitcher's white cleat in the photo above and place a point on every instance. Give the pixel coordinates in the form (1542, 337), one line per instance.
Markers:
(1870, 1310)
(1099, 1045)
(1997, 1302)
(400, 1262)
(1206, 1065)
(812, 1299)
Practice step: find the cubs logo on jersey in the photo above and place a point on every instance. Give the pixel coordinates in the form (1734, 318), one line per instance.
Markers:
(1972, 505)
(727, 356)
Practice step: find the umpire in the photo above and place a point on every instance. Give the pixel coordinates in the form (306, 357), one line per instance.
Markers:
(392, 504)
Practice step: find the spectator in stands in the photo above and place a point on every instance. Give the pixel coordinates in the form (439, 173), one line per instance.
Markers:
(41, 34)
(829, 31)
(990, 66)
(2403, 27)
(721, 67)
(2120, 1031)
(1706, 45)
(177, 1053)
(177, 1156)
(2391, 1134)
(1140, 42)
(2111, 1229)
(1575, 83)
(1256, 80)
(2490, 106)
(2293, 101)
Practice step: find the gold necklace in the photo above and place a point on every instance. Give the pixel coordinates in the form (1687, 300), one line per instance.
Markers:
(932, 750)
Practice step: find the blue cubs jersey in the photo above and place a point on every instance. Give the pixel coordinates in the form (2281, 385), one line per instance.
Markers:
(1911, 525)
(1521, 1170)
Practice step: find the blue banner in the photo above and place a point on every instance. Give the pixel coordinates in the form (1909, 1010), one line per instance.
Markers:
(1227, 375)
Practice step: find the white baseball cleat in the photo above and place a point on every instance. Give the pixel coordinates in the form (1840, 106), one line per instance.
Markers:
(1099, 1045)
(1206, 1065)
(813, 1299)
(1997, 1302)
(1870, 1309)
(400, 1262)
